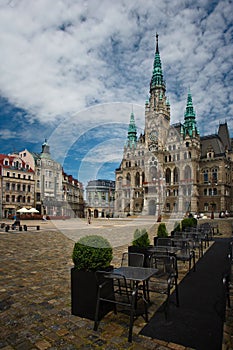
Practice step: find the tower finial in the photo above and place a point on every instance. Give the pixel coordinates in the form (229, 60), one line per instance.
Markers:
(157, 43)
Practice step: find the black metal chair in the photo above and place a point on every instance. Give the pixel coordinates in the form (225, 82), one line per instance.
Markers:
(195, 242)
(123, 298)
(165, 279)
(163, 241)
(132, 259)
(185, 253)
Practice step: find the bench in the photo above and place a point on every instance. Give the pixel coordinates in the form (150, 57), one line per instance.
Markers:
(13, 228)
(25, 227)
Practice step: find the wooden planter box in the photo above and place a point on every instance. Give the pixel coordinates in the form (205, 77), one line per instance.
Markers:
(84, 293)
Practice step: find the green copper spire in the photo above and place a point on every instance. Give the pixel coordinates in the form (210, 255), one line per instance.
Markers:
(157, 74)
(132, 131)
(189, 117)
(189, 113)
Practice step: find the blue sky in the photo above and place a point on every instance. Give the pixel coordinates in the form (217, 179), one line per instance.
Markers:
(72, 72)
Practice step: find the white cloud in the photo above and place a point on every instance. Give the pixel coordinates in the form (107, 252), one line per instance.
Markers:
(56, 60)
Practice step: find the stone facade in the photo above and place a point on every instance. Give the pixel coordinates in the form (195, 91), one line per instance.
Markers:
(56, 193)
(171, 170)
(16, 185)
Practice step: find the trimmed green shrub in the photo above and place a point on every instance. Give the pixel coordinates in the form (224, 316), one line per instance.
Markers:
(141, 238)
(188, 222)
(162, 230)
(92, 253)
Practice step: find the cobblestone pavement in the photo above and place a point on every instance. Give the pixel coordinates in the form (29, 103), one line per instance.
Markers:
(35, 311)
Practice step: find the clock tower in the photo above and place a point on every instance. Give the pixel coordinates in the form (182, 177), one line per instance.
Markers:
(157, 108)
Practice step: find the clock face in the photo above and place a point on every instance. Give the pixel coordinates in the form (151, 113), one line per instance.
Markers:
(153, 135)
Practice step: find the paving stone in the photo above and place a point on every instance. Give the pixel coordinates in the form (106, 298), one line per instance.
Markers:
(35, 294)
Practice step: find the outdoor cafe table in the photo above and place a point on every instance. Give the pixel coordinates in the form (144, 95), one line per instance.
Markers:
(137, 275)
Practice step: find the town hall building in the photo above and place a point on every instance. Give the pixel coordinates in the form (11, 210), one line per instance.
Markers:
(171, 170)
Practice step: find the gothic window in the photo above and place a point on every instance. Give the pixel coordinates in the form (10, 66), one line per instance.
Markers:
(29, 188)
(165, 159)
(29, 199)
(170, 158)
(143, 177)
(18, 187)
(174, 147)
(142, 162)
(137, 180)
(176, 176)
(178, 157)
(215, 175)
(168, 176)
(24, 199)
(128, 179)
(24, 187)
(187, 173)
(185, 155)
(206, 175)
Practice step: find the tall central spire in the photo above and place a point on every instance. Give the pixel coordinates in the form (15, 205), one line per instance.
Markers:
(157, 74)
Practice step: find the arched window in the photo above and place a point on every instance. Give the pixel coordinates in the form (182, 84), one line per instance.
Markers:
(206, 175)
(128, 179)
(143, 177)
(168, 176)
(176, 176)
(137, 180)
(187, 173)
(215, 175)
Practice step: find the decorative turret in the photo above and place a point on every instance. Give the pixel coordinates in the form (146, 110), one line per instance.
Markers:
(45, 150)
(157, 74)
(132, 131)
(190, 127)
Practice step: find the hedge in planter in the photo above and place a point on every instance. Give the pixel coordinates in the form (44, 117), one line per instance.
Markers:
(140, 244)
(90, 253)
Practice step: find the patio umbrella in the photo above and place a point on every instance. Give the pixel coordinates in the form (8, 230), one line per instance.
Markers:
(33, 210)
(22, 210)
